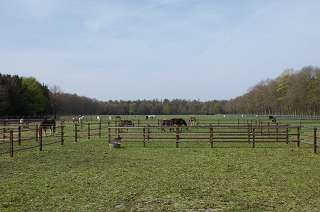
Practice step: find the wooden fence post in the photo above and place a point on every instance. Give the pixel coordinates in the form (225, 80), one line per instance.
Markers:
(287, 134)
(277, 132)
(4, 133)
(40, 138)
(298, 137)
(37, 132)
(100, 129)
(144, 137)
(249, 134)
(88, 130)
(11, 143)
(211, 136)
(253, 138)
(19, 135)
(76, 133)
(148, 134)
(62, 134)
(109, 135)
(315, 145)
(177, 137)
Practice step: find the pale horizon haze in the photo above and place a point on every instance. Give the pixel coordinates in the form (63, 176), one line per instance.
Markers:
(157, 49)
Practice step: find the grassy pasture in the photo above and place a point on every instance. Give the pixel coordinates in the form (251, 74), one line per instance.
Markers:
(230, 177)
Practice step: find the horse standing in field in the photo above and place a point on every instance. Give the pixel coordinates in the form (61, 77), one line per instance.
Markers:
(171, 123)
(125, 124)
(150, 117)
(48, 124)
(166, 123)
(179, 122)
(273, 119)
(192, 121)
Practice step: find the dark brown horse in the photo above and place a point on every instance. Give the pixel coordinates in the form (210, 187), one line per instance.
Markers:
(171, 123)
(48, 124)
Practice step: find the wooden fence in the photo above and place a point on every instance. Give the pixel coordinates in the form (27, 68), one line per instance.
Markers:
(211, 133)
(17, 138)
(21, 139)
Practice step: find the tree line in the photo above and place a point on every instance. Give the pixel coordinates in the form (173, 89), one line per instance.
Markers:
(293, 92)
(23, 96)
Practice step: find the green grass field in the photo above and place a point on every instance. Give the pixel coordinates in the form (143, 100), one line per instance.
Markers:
(89, 176)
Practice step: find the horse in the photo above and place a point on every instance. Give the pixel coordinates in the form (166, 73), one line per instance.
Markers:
(178, 122)
(175, 122)
(48, 124)
(166, 123)
(192, 121)
(126, 123)
(150, 117)
(273, 119)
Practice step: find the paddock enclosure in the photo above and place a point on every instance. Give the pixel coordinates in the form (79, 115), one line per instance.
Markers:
(219, 163)
(252, 130)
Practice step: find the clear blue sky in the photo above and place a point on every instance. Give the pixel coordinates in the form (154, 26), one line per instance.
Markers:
(146, 49)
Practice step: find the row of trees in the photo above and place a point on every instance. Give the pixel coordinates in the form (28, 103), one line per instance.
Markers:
(293, 92)
(74, 104)
(23, 96)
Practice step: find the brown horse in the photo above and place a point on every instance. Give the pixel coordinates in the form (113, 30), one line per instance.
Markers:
(48, 124)
(171, 123)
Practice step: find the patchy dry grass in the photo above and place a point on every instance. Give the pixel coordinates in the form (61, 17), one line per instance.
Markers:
(231, 177)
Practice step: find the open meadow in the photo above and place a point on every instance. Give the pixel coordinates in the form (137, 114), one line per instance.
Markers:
(88, 175)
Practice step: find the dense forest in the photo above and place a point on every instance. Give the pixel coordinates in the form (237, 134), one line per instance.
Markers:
(293, 92)
(23, 96)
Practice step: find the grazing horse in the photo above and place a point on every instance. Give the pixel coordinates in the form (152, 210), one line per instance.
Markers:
(179, 122)
(126, 123)
(273, 119)
(166, 123)
(150, 117)
(175, 122)
(48, 124)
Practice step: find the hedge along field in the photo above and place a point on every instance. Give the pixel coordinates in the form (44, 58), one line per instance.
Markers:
(230, 177)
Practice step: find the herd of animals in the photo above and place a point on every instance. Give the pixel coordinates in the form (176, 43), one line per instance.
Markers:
(50, 123)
